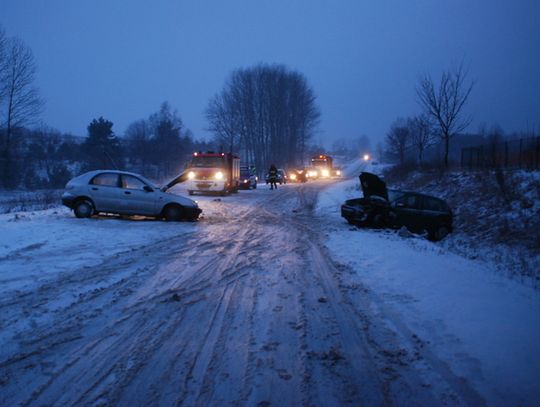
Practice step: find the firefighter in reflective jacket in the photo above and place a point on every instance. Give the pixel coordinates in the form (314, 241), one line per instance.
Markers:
(272, 176)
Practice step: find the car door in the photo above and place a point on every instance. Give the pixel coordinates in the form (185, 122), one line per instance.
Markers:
(435, 213)
(408, 209)
(104, 189)
(138, 198)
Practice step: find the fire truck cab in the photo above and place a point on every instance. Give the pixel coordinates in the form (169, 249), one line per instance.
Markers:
(321, 166)
(213, 173)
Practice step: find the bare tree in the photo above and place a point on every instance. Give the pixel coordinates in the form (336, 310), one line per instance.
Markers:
(3, 65)
(137, 137)
(21, 103)
(398, 139)
(159, 144)
(445, 103)
(267, 113)
(422, 135)
(224, 122)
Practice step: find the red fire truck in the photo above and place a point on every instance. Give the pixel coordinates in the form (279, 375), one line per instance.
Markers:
(213, 172)
(321, 166)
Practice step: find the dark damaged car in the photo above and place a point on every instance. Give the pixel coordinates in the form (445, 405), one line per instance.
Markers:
(389, 208)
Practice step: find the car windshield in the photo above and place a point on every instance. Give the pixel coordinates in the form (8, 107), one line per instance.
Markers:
(394, 194)
(207, 162)
(244, 173)
(319, 162)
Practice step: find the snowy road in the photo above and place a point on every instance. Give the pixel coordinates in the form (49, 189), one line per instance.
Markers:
(244, 307)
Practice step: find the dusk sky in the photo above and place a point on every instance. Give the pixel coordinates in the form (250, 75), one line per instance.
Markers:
(121, 59)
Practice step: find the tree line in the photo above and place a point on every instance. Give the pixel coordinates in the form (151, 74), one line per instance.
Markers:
(441, 119)
(43, 157)
(158, 147)
(440, 126)
(20, 103)
(267, 113)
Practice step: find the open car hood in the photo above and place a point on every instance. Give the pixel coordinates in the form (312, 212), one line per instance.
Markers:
(372, 185)
(183, 176)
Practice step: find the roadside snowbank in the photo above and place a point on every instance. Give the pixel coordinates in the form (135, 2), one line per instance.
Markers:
(496, 216)
(62, 242)
(483, 325)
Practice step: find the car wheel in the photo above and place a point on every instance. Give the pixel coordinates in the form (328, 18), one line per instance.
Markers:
(362, 220)
(173, 213)
(438, 233)
(83, 209)
(255, 186)
(377, 221)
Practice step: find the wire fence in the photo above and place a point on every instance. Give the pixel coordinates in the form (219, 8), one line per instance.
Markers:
(512, 154)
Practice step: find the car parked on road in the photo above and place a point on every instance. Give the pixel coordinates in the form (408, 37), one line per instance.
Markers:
(125, 193)
(297, 175)
(382, 207)
(248, 178)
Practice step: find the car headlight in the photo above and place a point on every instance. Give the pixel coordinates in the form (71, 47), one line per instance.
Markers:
(325, 173)
(338, 172)
(191, 175)
(218, 175)
(293, 176)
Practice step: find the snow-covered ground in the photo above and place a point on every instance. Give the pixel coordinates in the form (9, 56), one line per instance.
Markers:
(484, 326)
(271, 298)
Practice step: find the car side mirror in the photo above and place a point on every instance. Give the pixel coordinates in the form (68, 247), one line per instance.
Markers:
(148, 189)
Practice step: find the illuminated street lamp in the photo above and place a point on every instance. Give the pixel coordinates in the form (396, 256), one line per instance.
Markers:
(366, 157)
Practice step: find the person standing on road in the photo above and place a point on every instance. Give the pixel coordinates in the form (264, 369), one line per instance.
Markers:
(272, 176)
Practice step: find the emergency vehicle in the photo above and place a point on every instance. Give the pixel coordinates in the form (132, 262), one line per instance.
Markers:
(321, 166)
(213, 173)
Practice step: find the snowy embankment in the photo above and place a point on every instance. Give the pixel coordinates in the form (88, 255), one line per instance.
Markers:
(496, 216)
(484, 326)
(23, 201)
(41, 244)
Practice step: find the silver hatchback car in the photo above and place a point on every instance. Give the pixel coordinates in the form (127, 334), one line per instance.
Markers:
(125, 193)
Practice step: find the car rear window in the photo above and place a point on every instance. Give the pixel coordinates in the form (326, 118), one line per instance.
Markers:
(105, 179)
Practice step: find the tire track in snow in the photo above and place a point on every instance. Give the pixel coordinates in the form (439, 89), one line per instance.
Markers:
(219, 316)
(399, 377)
